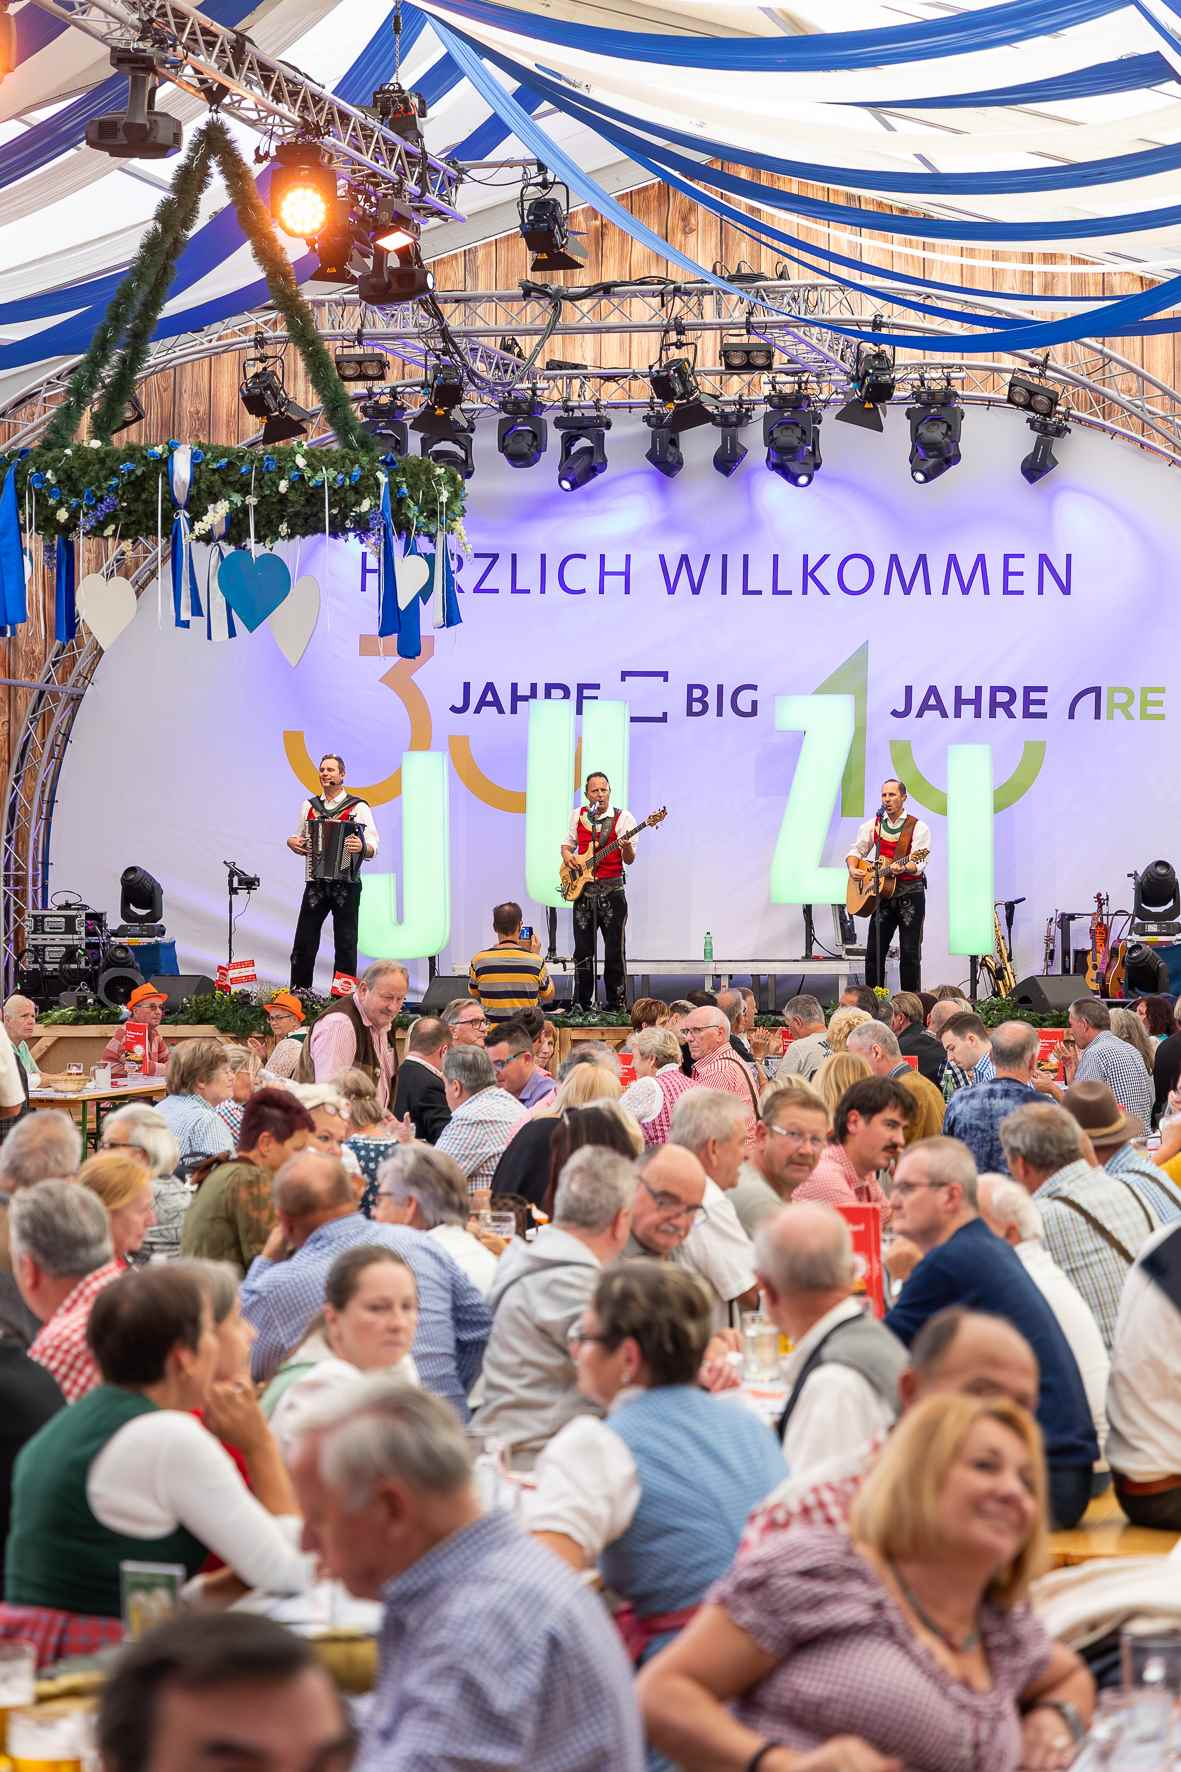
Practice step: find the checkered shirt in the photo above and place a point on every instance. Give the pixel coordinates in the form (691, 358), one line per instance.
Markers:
(61, 1346)
(985, 1070)
(1149, 1180)
(477, 1133)
(490, 1647)
(835, 1182)
(824, 1497)
(195, 1126)
(954, 1077)
(281, 1297)
(1096, 1269)
(1110, 1060)
(975, 1116)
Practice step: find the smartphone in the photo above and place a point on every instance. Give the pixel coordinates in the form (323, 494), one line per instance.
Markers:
(526, 932)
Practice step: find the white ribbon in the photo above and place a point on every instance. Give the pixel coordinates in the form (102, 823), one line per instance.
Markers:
(160, 551)
(250, 509)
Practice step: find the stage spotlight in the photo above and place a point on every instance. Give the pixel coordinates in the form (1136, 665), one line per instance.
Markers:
(263, 395)
(873, 379)
(7, 42)
(664, 451)
(139, 132)
(936, 419)
(1041, 459)
(731, 451)
(141, 898)
(116, 982)
(361, 365)
(395, 276)
(384, 417)
(673, 381)
(791, 434)
(545, 225)
(744, 355)
(398, 109)
(1029, 394)
(583, 450)
(303, 190)
(132, 413)
(521, 433)
(1156, 902)
(448, 443)
(444, 387)
(1145, 972)
(334, 249)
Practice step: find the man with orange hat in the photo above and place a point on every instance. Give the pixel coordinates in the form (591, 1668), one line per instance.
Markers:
(280, 1051)
(146, 1006)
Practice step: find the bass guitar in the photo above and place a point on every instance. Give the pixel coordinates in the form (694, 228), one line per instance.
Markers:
(860, 898)
(575, 875)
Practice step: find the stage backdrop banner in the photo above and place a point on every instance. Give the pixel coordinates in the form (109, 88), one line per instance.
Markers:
(1011, 646)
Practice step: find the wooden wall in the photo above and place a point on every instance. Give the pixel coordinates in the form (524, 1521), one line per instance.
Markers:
(200, 401)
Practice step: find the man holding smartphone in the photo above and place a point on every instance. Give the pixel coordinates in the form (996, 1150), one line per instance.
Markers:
(512, 975)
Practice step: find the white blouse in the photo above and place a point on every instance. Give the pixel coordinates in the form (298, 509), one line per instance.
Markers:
(165, 1470)
(304, 1395)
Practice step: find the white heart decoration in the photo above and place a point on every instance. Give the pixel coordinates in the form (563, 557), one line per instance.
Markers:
(107, 606)
(294, 622)
(412, 572)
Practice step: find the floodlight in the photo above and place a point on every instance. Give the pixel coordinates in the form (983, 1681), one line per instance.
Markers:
(139, 131)
(521, 432)
(1029, 394)
(583, 450)
(545, 225)
(791, 434)
(936, 420)
(1041, 459)
(303, 190)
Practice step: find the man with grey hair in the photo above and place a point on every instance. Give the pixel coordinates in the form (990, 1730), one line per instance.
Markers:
(541, 1291)
(42, 1147)
(426, 1189)
(715, 1063)
(843, 1371)
(483, 1115)
(1091, 1053)
(20, 1024)
(492, 1653)
(712, 1125)
(317, 1218)
(975, 1114)
(466, 1020)
(804, 1020)
(1010, 1214)
(878, 1045)
(958, 1261)
(1093, 1223)
(358, 1031)
(62, 1259)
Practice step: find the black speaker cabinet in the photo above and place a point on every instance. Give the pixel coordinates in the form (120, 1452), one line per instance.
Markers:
(178, 987)
(443, 988)
(1048, 994)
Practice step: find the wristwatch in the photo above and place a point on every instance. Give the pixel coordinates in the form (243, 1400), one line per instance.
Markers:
(1070, 1716)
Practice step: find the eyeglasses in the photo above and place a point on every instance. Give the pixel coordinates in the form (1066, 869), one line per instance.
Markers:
(669, 1206)
(502, 1064)
(112, 1144)
(901, 1190)
(473, 1021)
(577, 1336)
(815, 1141)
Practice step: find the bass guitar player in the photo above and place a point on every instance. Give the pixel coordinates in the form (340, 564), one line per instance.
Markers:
(602, 904)
(901, 845)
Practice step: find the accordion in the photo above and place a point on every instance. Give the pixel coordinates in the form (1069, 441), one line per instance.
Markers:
(327, 858)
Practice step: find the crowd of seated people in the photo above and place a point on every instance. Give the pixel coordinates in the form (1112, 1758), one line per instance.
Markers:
(314, 1382)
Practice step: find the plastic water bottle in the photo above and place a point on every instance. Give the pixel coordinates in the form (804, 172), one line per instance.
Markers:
(709, 946)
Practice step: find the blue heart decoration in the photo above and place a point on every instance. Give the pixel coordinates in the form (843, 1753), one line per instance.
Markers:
(253, 588)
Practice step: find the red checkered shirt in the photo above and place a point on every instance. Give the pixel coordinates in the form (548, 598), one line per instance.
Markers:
(835, 1182)
(824, 1498)
(62, 1348)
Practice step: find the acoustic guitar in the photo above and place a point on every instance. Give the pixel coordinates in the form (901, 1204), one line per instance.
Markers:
(1100, 945)
(860, 899)
(575, 875)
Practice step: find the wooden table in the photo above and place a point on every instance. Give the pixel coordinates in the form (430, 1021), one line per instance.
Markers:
(1105, 1531)
(114, 1095)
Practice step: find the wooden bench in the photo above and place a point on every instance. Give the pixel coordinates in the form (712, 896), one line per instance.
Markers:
(1105, 1531)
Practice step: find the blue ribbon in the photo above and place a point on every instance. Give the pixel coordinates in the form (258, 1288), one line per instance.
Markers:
(186, 599)
(410, 618)
(65, 612)
(1129, 73)
(387, 595)
(14, 607)
(451, 615)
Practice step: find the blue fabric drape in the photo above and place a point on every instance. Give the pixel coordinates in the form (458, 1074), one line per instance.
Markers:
(65, 611)
(1131, 73)
(13, 596)
(993, 27)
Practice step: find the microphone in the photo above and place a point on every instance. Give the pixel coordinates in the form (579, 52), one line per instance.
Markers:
(881, 813)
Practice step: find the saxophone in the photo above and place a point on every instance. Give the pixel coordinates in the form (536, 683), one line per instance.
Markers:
(997, 967)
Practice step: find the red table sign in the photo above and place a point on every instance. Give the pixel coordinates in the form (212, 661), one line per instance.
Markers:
(865, 1224)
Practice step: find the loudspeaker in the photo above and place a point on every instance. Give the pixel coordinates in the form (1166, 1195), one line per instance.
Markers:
(178, 987)
(1047, 994)
(443, 989)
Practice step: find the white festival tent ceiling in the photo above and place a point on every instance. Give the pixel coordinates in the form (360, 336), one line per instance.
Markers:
(1017, 135)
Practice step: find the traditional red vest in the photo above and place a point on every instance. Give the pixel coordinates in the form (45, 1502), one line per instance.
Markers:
(888, 845)
(612, 867)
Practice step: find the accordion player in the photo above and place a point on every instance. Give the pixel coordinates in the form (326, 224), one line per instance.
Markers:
(336, 835)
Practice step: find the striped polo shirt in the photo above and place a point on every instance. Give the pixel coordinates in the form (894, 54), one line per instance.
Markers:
(508, 978)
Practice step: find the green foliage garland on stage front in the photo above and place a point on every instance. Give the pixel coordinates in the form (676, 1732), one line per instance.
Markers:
(98, 488)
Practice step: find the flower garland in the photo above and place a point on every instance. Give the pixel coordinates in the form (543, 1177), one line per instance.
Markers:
(95, 488)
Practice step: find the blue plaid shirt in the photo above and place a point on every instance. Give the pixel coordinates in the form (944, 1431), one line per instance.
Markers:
(985, 1070)
(195, 1126)
(1149, 1181)
(280, 1298)
(1110, 1060)
(494, 1655)
(975, 1115)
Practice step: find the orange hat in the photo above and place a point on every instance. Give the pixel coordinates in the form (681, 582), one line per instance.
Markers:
(285, 1000)
(146, 993)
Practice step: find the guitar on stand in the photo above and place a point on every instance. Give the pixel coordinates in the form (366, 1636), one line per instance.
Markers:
(1100, 950)
(574, 875)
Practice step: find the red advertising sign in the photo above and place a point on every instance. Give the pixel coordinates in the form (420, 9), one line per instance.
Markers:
(865, 1224)
(1047, 1040)
(627, 1068)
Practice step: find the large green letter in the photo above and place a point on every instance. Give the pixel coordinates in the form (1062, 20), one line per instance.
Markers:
(827, 722)
(426, 871)
(969, 849)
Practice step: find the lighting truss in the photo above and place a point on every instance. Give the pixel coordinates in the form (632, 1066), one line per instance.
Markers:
(224, 68)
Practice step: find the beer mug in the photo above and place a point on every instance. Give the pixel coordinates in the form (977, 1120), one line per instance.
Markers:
(18, 1677)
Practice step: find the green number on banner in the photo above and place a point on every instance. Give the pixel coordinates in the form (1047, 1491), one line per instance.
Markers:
(425, 927)
(797, 874)
(970, 849)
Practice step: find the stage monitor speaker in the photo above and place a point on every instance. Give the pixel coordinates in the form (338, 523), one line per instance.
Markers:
(1049, 993)
(178, 987)
(443, 989)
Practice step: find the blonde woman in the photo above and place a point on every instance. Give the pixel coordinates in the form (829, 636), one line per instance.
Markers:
(1127, 1025)
(123, 1183)
(907, 1642)
(371, 1136)
(841, 1025)
(839, 1072)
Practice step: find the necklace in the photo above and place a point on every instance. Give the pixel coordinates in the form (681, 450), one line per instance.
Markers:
(959, 1646)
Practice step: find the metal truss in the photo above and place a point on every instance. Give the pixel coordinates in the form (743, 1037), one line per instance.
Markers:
(1101, 388)
(226, 71)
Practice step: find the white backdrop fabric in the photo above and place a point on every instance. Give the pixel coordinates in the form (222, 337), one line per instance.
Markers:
(178, 759)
